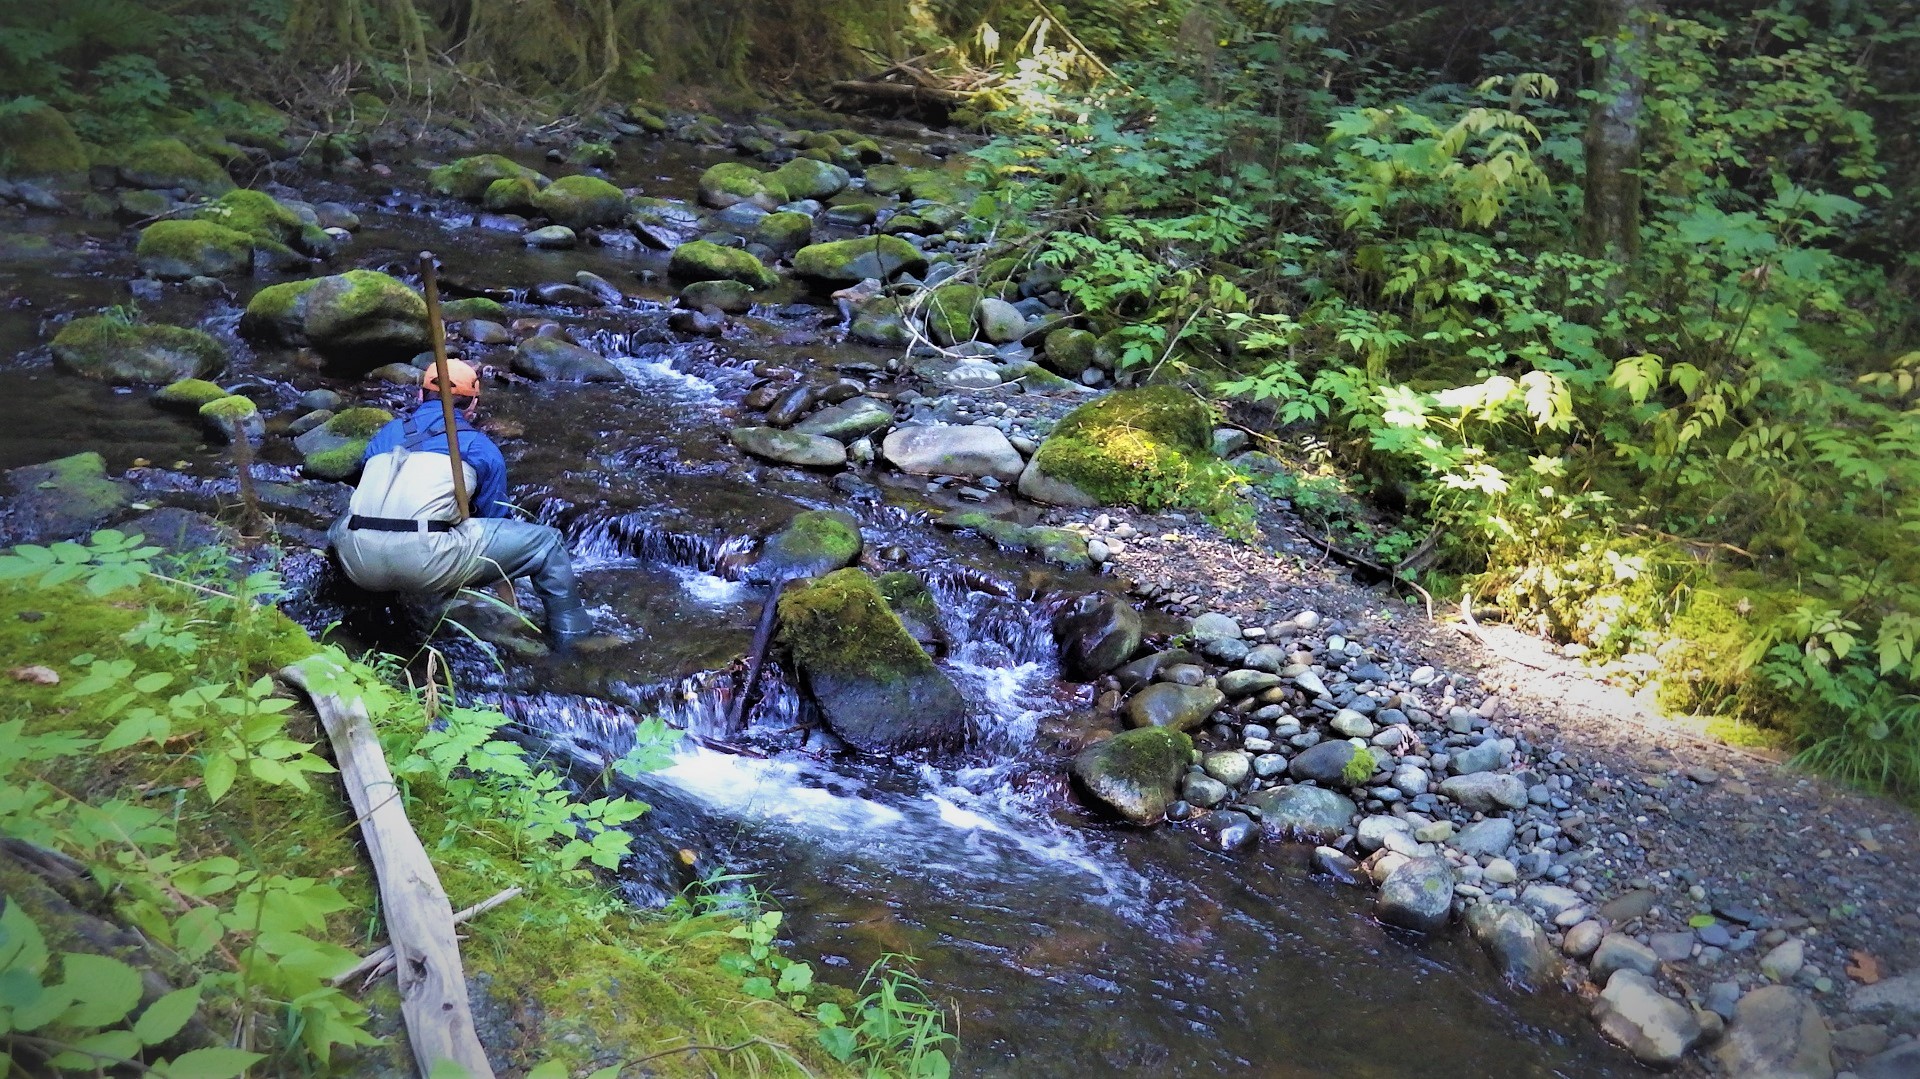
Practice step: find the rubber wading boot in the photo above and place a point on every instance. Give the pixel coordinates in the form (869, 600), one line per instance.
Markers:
(568, 621)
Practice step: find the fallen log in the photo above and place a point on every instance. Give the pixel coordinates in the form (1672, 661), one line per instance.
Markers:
(896, 91)
(433, 989)
(380, 960)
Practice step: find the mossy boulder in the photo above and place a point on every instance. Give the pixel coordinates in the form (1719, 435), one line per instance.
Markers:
(805, 178)
(1070, 351)
(172, 163)
(733, 297)
(886, 179)
(702, 260)
(469, 177)
(643, 113)
(1035, 378)
(785, 232)
(176, 250)
(40, 144)
(60, 499)
(232, 418)
(938, 185)
(188, 394)
(873, 683)
(580, 202)
(839, 263)
(1150, 448)
(110, 350)
(473, 307)
(1096, 633)
(257, 215)
(360, 319)
(949, 311)
(813, 543)
(333, 450)
(1136, 773)
(732, 182)
(880, 321)
(510, 195)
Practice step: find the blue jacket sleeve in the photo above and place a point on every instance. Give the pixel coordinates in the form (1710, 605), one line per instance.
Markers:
(490, 500)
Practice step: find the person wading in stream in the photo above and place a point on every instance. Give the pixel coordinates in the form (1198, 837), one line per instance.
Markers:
(402, 531)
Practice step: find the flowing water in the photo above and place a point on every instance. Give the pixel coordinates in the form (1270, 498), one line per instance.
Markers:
(1067, 944)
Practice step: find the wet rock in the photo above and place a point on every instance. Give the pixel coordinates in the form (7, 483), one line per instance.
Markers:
(562, 294)
(1312, 813)
(112, 350)
(176, 249)
(1632, 1014)
(1333, 863)
(1902, 1062)
(872, 682)
(1096, 633)
(551, 237)
(334, 449)
(1515, 943)
(848, 420)
(1226, 831)
(711, 322)
(848, 262)
(1135, 773)
(360, 318)
(1418, 895)
(580, 202)
(1229, 766)
(790, 447)
(1035, 484)
(1894, 998)
(813, 543)
(968, 451)
(232, 418)
(1200, 789)
(483, 332)
(805, 178)
(703, 260)
(1776, 1033)
(1331, 764)
(1165, 704)
(61, 499)
(1246, 683)
(1148, 669)
(469, 177)
(732, 297)
(731, 182)
(1486, 792)
(549, 359)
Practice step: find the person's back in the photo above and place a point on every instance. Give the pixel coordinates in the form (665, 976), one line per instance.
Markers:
(403, 530)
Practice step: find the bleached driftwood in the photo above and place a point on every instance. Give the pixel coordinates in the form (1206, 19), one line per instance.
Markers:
(433, 989)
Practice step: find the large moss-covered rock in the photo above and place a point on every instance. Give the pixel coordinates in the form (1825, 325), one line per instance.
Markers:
(111, 350)
(510, 195)
(1166, 704)
(469, 177)
(805, 178)
(188, 394)
(233, 418)
(849, 262)
(181, 249)
(172, 163)
(813, 543)
(732, 182)
(61, 499)
(580, 202)
(333, 450)
(40, 144)
(949, 311)
(360, 319)
(872, 682)
(256, 214)
(1135, 773)
(1070, 351)
(1147, 447)
(785, 232)
(705, 261)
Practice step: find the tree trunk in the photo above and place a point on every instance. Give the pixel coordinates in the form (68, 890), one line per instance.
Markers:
(1611, 228)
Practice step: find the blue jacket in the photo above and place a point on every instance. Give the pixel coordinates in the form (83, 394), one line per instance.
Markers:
(489, 499)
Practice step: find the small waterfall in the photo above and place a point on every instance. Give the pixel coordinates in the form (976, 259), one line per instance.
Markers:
(596, 731)
(601, 535)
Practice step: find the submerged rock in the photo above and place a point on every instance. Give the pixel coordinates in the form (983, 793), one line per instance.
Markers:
(112, 350)
(1096, 632)
(1632, 1014)
(873, 683)
(1515, 943)
(1135, 773)
(61, 499)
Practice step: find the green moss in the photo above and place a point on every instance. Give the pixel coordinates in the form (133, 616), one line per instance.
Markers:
(1007, 534)
(814, 542)
(171, 163)
(647, 118)
(1061, 547)
(949, 311)
(730, 182)
(39, 142)
(802, 178)
(190, 248)
(582, 202)
(886, 179)
(255, 213)
(1148, 447)
(1140, 757)
(705, 261)
(469, 177)
(1034, 377)
(111, 350)
(473, 307)
(510, 195)
(359, 423)
(786, 231)
(280, 303)
(840, 625)
(335, 463)
(592, 155)
(188, 393)
(232, 408)
(938, 185)
(1359, 767)
(848, 262)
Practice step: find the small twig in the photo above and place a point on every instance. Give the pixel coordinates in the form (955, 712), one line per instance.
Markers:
(384, 954)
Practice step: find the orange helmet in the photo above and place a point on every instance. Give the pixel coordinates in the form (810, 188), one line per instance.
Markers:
(466, 380)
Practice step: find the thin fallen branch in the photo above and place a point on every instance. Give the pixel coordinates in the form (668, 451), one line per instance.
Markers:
(383, 955)
(895, 91)
(433, 988)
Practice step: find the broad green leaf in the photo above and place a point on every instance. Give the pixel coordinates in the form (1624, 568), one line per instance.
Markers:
(106, 989)
(839, 1042)
(219, 1063)
(165, 1017)
(219, 772)
(796, 978)
(551, 1069)
(97, 1051)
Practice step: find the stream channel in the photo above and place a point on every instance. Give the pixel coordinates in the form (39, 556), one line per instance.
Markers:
(1069, 946)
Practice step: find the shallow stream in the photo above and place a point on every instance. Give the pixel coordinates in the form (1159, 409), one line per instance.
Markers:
(1069, 946)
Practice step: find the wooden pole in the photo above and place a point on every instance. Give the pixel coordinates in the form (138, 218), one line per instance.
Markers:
(433, 988)
(437, 333)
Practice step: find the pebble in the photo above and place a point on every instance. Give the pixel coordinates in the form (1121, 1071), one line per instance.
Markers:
(1784, 961)
(1582, 939)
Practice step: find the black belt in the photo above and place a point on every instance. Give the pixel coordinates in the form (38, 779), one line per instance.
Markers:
(397, 524)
